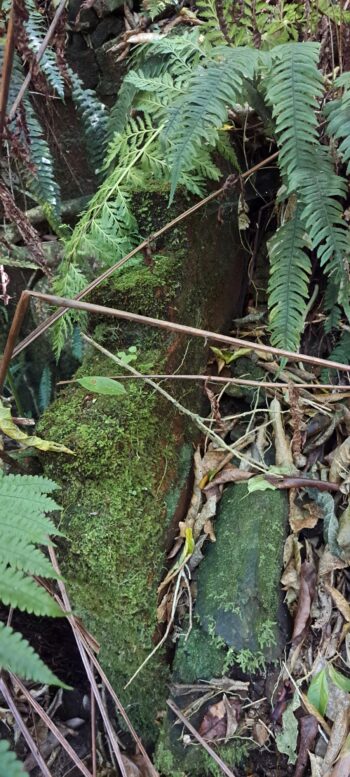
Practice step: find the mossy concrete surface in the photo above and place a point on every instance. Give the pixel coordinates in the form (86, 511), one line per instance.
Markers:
(239, 618)
(129, 474)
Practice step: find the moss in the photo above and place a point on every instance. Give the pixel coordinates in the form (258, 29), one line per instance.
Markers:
(172, 759)
(115, 516)
(200, 657)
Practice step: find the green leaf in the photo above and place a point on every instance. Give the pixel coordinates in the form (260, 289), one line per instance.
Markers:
(101, 385)
(286, 740)
(18, 656)
(318, 691)
(259, 483)
(23, 592)
(339, 679)
(9, 764)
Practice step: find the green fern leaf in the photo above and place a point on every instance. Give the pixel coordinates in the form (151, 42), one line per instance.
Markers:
(340, 353)
(94, 117)
(197, 117)
(23, 556)
(290, 269)
(17, 656)
(36, 30)
(45, 389)
(293, 86)
(17, 590)
(9, 764)
(338, 115)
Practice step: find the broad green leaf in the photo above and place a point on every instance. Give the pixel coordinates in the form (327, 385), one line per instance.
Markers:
(8, 427)
(259, 483)
(23, 592)
(101, 385)
(318, 691)
(286, 740)
(228, 356)
(339, 679)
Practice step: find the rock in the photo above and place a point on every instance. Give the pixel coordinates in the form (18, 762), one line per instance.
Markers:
(111, 71)
(106, 29)
(106, 7)
(87, 18)
(83, 61)
(133, 455)
(239, 616)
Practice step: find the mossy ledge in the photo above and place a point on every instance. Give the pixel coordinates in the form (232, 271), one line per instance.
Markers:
(132, 455)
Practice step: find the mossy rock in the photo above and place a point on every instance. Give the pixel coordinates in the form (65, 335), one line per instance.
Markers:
(129, 477)
(239, 617)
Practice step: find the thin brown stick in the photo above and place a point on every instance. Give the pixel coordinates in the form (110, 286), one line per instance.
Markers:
(85, 659)
(148, 321)
(65, 605)
(219, 379)
(188, 330)
(45, 772)
(93, 730)
(38, 57)
(224, 768)
(51, 725)
(7, 69)
(107, 273)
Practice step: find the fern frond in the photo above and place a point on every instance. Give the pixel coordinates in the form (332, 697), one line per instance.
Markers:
(23, 507)
(197, 117)
(338, 115)
(154, 8)
(24, 556)
(17, 656)
(68, 282)
(45, 389)
(18, 590)
(9, 764)
(42, 183)
(218, 28)
(293, 86)
(340, 353)
(94, 118)
(290, 269)
(36, 30)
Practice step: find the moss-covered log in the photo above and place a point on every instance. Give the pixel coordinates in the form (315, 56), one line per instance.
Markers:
(132, 457)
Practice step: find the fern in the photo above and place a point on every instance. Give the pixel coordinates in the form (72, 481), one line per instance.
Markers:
(69, 281)
(290, 269)
(9, 765)
(340, 353)
(197, 117)
(94, 118)
(338, 115)
(36, 30)
(45, 389)
(24, 502)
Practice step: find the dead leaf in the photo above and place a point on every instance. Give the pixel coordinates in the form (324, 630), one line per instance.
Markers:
(8, 427)
(316, 765)
(230, 474)
(209, 530)
(207, 512)
(220, 720)
(329, 563)
(260, 733)
(340, 462)
(290, 579)
(302, 515)
(343, 537)
(306, 597)
(136, 766)
(337, 738)
(213, 724)
(321, 610)
(315, 713)
(308, 728)
(340, 602)
(342, 767)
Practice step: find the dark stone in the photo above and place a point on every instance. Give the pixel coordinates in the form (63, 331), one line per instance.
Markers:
(83, 62)
(87, 19)
(106, 29)
(112, 72)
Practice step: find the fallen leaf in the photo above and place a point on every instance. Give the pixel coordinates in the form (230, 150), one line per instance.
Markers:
(209, 530)
(316, 765)
(306, 597)
(340, 602)
(284, 455)
(340, 462)
(343, 537)
(260, 733)
(337, 738)
(308, 732)
(98, 384)
(8, 427)
(342, 767)
(318, 692)
(315, 713)
(207, 512)
(136, 766)
(220, 720)
(304, 515)
(330, 563)
(286, 740)
(230, 474)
